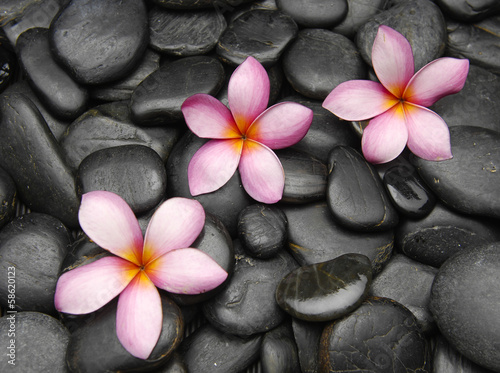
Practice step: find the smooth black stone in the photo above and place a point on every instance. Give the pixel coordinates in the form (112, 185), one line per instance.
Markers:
(31, 155)
(158, 99)
(56, 125)
(314, 14)
(35, 244)
(175, 364)
(310, 231)
(409, 283)
(464, 302)
(470, 181)
(476, 104)
(318, 60)
(8, 67)
(110, 125)
(355, 193)
(358, 13)
(407, 191)
(134, 172)
(225, 203)
(123, 88)
(40, 343)
(307, 337)
(305, 177)
(209, 350)
(14, 8)
(476, 42)
(420, 21)
(469, 11)
(247, 305)
(99, 41)
(278, 352)
(8, 198)
(262, 230)
(263, 34)
(326, 291)
(57, 90)
(380, 336)
(182, 34)
(326, 131)
(221, 5)
(442, 233)
(94, 345)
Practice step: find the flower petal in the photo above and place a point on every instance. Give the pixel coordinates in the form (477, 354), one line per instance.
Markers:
(175, 225)
(87, 288)
(213, 165)
(385, 136)
(359, 100)
(186, 271)
(392, 60)
(261, 173)
(248, 92)
(282, 125)
(139, 317)
(439, 78)
(428, 134)
(207, 117)
(110, 222)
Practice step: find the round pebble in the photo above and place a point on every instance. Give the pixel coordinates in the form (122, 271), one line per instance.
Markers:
(314, 14)
(278, 352)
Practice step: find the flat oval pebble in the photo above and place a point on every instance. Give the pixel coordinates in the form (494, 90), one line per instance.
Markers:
(379, 336)
(358, 13)
(32, 248)
(355, 193)
(182, 34)
(326, 291)
(39, 341)
(32, 156)
(464, 302)
(247, 305)
(420, 21)
(59, 92)
(470, 181)
(99, 41)
(310, 231)
(262, 230)
(318, 60)
(134, 172)
(278, 352)
(158, 99)
(469, 11)
(94, 345)
(263, 34)
(8, 198)
(109, 125)
(314, 14)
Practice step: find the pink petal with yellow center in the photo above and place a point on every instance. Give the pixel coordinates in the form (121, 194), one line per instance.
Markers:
(109, 221)
(186, 271)
(359, 100)
(248, 92)
(385, 136)
(174, 225)
(282, 125)
(139, 317)
(439, 78)
(261, 173)
(213, 165)
(207, 117)
(428, 134)
(87, 288)
(392, 60)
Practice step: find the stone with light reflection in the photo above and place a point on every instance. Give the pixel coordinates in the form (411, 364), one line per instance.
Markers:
(326, 291)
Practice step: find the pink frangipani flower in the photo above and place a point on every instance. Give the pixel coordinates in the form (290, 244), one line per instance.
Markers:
(398, 104)
(244, 135)
(163, 259)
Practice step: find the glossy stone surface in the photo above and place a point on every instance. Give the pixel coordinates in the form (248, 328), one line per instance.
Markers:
(469, 11)
(379, 336)
(326, 291)
(8, 198)
(278, 352)
(464, 302)
(307, 336)
(314, 14)
(358, 13)
(476, 154)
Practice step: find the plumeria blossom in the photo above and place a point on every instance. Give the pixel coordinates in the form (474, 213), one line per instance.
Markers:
(398, 104)
(162, 260)
(243, 136)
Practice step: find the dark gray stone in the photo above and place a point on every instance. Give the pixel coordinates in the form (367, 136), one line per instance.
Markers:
(469, 11)
(307, 337)
(8, 67)
(278, 352)
(358, 13)
(8, 198)
(314, 14)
